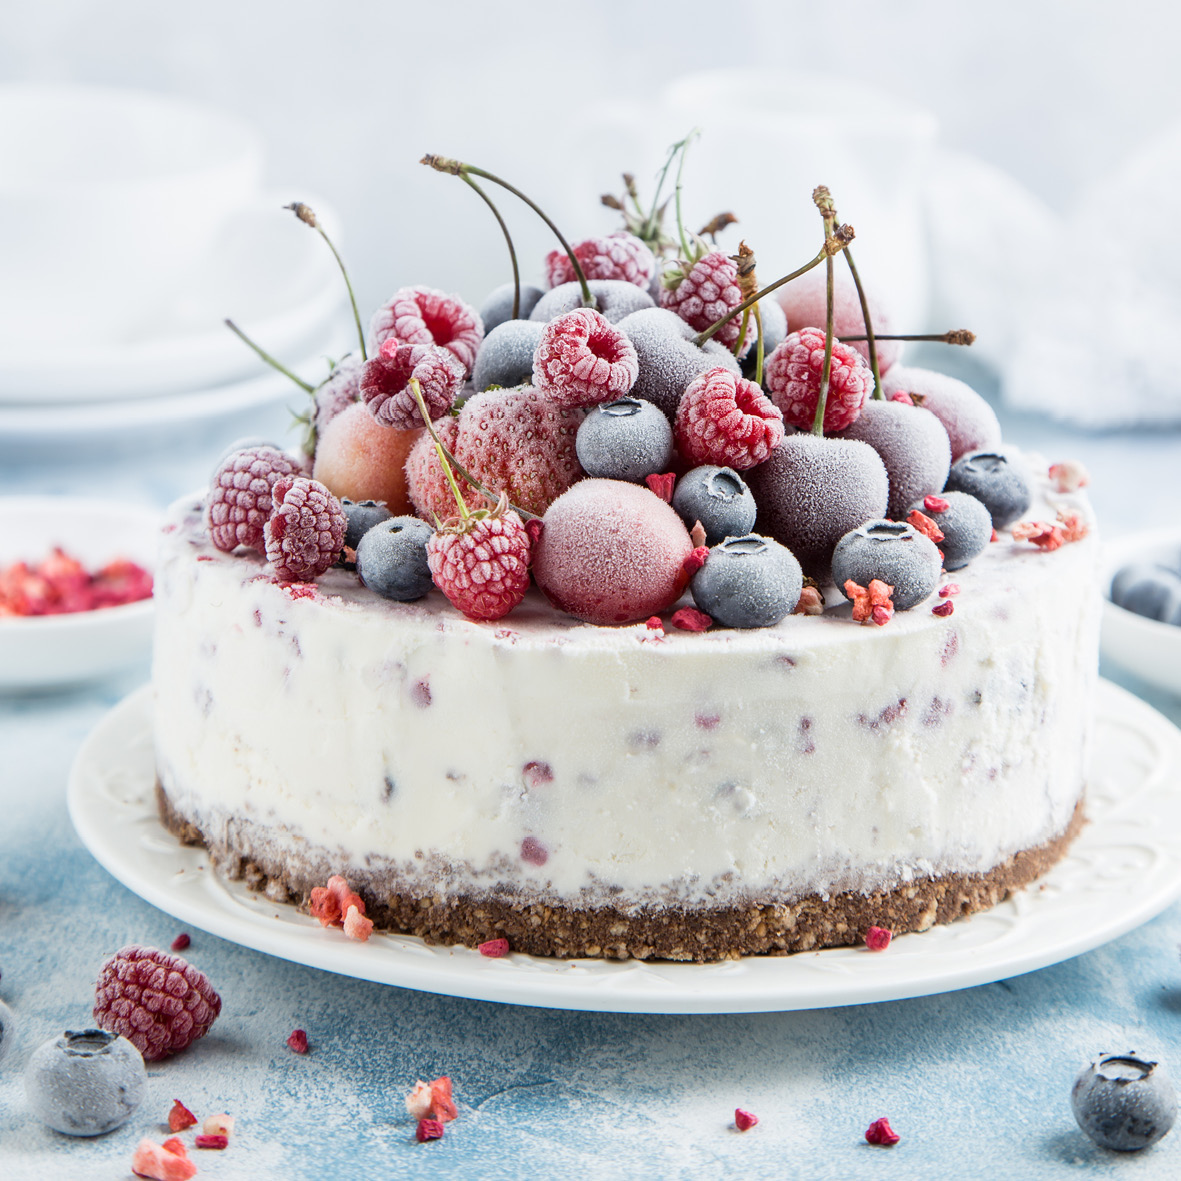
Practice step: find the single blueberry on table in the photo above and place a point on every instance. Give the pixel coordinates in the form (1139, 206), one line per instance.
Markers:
(391, 559)
(966, 526)
(748, 581)
(362, 515)
(994, 481)
(717, 497)
(892, 551)
(1124, 1102)
(86, 1083)
(1149, 590)
(627, 439)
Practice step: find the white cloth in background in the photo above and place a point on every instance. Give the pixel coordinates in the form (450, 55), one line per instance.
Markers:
(1081, 315)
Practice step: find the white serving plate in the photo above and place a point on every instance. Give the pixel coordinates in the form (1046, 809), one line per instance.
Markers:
(266, 270)
(1123, 869)
(1150, 649)
(49, 650)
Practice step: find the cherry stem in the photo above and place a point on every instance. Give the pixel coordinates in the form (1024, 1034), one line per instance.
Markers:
(871, 340)
(458, 168)
(654, 213)
(960, 336)
(450, 462)
(831, 246)
(308, 217)
(677, 191)
(303, 385)
(508, 239)
(742, 332)
(826, 373)
(759, 345)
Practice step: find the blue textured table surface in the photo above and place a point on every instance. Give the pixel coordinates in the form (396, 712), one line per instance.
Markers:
(976, 1082)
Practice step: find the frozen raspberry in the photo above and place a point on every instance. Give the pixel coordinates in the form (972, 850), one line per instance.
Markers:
(707, 292)
(358, 458)
(157, 1001)
(513, 441)
(793, 376)
(305, 534)
(583, 360)
(385, 383)
(727, 421)
(616, 256)
(240, 497)
(337, 392)
(422, 315)
(611, 552)
(805, 302)
(483, 566)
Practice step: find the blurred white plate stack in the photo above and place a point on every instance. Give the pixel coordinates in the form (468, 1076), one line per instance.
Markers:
(131, 226)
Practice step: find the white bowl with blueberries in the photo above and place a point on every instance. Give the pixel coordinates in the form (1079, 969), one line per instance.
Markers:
(1142, 611)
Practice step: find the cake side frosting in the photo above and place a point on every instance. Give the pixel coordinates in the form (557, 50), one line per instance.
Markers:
(538, 760)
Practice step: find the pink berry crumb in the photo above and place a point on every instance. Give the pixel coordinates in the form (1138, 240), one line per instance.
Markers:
(212, 1141)
(878, 938)
(428, 1129)
(494, 949)
(744, 1119)
(689, 619)
(947, 607)
(181, 942)
(880, 1132)
(298, 1041)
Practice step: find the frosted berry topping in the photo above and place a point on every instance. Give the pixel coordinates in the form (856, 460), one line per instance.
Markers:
(880, 1132)
(871, 604)
(240, 498)
(385, 382)
(614, 256)
(422, 315)
(583, 360)
(166, 1162)
(338, 905)
(220, 1124)
(432, 1100)
(1045, 536)
(793, 376)
(707, 292)
(481, 563)
(725, 420)
(157, 1001)
(305, 533)
(1069, 476)
(180, 1117)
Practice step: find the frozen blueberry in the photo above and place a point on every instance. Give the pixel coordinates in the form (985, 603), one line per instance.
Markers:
(748, 581)
(85, 1084)
(614, 298)
(362, 516)
(506, 355)
(893, 551)
(669, 357)
(498, 307)
(1149, 590)
(717, 497)
(627, 439)
(966, 526)
(1124, 1102)
(994, 481)
(391, 559)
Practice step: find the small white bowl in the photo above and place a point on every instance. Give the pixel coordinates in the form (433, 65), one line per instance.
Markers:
(42, 651)
(1150, 649)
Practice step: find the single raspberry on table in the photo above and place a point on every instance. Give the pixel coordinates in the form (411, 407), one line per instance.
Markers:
(240, 500)
(707, 292)
(305, 533)
(481, 563)
(793, 374)
(726, 420)
(583, 359)
(157, 1001)
(385, 382)
(422, 315)
(612, 256)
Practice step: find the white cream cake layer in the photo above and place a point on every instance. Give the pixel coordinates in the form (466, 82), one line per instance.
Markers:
(547, 758)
